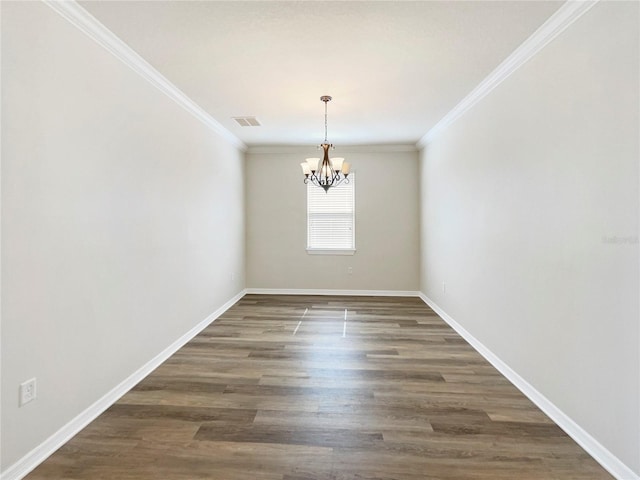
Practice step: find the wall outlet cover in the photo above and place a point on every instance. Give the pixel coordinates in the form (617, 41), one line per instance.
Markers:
(27, 391)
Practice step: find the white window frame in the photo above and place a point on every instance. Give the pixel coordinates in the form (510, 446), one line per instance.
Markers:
(335, 251)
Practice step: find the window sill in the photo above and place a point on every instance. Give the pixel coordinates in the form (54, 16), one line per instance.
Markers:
(319, 251)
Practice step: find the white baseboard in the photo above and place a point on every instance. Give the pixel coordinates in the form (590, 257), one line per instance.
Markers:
(39, 454)
(603, 456)
(318, 291)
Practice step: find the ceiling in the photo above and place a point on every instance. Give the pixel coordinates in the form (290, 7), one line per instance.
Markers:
(394, 69)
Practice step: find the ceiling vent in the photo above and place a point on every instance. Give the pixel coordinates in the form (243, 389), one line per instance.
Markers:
(247, 121)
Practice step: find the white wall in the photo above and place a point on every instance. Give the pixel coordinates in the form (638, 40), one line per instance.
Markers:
(529, 209)
(387, 244)
(122, 222)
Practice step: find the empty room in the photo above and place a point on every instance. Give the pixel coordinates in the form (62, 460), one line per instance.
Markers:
(320, 240)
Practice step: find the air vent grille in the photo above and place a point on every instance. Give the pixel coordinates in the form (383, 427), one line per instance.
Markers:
(247, 121)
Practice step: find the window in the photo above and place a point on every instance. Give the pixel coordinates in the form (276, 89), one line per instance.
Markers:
(331, 219)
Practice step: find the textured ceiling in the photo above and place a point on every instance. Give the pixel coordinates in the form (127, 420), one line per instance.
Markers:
(394, 69)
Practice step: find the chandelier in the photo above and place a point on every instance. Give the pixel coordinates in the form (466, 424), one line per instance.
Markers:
(331, 172)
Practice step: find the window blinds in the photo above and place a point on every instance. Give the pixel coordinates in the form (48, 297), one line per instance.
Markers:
(330, 217)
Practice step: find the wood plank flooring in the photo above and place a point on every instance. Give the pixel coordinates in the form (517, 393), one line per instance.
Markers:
(284, 388)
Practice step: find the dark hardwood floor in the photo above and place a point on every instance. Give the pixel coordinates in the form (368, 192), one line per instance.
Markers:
(283, 388)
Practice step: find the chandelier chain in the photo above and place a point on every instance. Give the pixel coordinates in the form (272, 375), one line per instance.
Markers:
(325, 122)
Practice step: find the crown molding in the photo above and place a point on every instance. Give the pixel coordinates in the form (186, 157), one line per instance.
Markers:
(90, 26)
(568, 13)
(306, 149)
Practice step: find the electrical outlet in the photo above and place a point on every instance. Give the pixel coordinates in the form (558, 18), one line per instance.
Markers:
(233, 277)
(27, 391)
(444, 287)
(350, 270)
